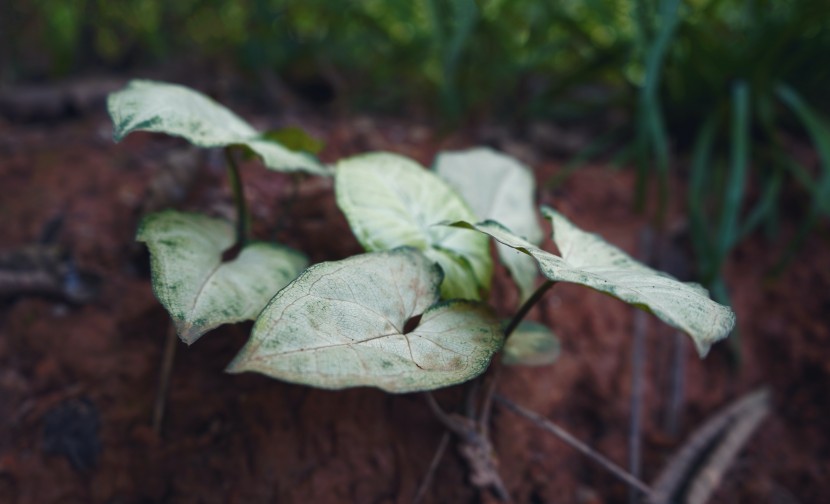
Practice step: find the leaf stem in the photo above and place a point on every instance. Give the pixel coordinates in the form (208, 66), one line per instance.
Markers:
(166, 369)
(531, 301)
(242, 217)
(490, 390)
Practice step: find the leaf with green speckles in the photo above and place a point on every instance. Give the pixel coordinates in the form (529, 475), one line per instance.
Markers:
(589, 260)
(180, 111)
(500, 188)
(530, 344)
(198, 289)
(371, 320)
(391, 201)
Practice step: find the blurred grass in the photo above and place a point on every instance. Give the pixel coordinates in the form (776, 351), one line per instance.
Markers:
(718, 88)
(652, 138)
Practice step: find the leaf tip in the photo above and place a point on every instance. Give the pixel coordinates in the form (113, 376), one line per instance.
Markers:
(187, 332)
(237, 365)
(723, 327)
(457, 224)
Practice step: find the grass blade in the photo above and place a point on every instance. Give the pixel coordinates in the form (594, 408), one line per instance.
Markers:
(736, 179)
(819, 131)
(586, 154)
(698, 178)
(651, 127)
(765, 206)
(800, 174)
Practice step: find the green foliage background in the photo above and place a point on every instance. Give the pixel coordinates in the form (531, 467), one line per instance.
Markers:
(472, 55)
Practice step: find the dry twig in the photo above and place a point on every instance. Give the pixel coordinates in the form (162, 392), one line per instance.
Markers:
(565, 436)
(703, 460)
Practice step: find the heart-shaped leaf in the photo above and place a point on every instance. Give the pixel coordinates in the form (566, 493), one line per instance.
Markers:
(589, 260)
(498, 188)
(530, 344)
(370, 320)
(199, 290)
(180, 111)
(391, 201)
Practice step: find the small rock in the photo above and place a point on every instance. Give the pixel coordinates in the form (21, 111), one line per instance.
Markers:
(71, 429)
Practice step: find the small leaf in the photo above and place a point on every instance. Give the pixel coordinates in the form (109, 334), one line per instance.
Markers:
(589, 260)
(355, 323)
(500, 188)
(530, 344)
(296, 139)
(391, 201)
(199, 290)
(180, 111)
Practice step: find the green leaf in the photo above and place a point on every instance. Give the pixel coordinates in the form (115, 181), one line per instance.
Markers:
(530, 344)
(180, 111)
(500, 188)
(296, 139)
(391, 201)
(199, 290)
(355, 323)
(589, 260)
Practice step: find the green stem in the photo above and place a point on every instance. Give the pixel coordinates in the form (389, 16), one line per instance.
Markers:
(489, 392)
(531, 301)
(242, 217)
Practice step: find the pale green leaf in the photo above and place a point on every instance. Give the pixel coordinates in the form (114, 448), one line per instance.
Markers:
(347, 324)
(589, 260)
(180, 111)
(199, 290)
(498, 188)
(530, 344)
(391, 201)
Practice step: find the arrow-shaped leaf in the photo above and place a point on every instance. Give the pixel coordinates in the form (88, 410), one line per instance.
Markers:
(391, 201)
(180, 111)
(198, 289)
(589, 260)
(500, 188)
(370, 320)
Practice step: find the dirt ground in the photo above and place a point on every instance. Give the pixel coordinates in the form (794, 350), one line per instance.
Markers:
(78, 380)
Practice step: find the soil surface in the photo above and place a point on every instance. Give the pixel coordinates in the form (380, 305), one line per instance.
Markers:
(78, 380)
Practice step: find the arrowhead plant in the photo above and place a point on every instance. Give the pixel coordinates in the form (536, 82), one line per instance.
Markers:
(198, 288)
(409, 314)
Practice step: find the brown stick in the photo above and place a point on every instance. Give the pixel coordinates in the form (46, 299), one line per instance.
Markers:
(433, 467)
(638, 359)
(565, 436)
